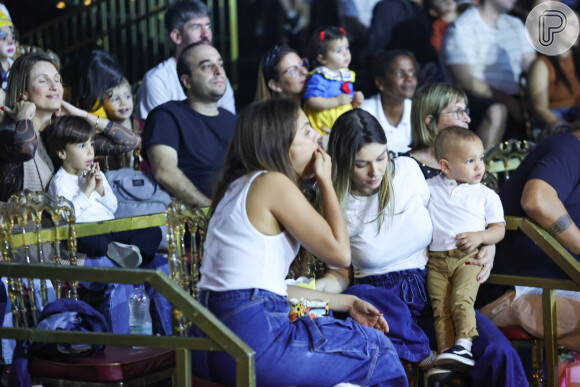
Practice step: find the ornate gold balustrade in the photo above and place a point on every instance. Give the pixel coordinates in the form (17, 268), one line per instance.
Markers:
(567, 263)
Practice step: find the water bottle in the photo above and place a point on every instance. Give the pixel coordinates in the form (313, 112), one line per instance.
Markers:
(139, 315)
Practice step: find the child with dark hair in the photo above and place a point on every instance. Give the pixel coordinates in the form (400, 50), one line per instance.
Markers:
(79, 179)
(443, 12)
(465, 215)
(330, 91)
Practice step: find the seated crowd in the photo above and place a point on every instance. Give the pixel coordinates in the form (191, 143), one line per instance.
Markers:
(408, 234)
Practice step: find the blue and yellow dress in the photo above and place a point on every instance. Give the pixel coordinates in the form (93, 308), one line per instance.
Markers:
(327, 84)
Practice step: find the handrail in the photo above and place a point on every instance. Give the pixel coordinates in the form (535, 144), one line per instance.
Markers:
(220, 337)
(566, 262)
(94, 228)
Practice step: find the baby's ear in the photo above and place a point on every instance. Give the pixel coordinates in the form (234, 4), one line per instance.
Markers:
(61, 154)
(444, 165)
(321, 59)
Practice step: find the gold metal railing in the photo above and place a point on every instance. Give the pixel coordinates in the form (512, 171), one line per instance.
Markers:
(567, 263)
(33, 207)
(220, 337)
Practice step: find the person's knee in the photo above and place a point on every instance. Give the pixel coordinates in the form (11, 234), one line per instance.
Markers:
(497, 114)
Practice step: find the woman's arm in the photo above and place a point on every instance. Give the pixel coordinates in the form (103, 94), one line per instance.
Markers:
(334, 281)
(275, 204)
(540, 201)
(361, 311)
(538, 82)
(320, 103)
(18, 143)
(111, 137)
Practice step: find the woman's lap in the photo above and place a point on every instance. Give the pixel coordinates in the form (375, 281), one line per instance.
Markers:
(497, 363)
(303, 352)
(402, 298)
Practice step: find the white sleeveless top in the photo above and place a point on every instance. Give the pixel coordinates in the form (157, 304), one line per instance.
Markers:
(237, 255)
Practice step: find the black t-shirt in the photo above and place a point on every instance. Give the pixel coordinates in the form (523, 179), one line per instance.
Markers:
(201, 141)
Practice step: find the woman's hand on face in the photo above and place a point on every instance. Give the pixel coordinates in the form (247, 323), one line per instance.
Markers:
(22, 110)
(366, 314)
(322, 167)
(484, 258)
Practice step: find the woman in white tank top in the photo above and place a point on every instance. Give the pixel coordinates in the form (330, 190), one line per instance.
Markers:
(259, 218)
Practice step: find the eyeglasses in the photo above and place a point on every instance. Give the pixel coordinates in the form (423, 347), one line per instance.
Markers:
(459, 113)
(294, 70)
(402, 74)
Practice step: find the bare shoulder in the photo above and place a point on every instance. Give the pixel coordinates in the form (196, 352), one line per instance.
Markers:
(271, 187)
(266, 194)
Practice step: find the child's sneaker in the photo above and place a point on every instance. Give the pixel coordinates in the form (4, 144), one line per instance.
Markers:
(439, 374)
(455, 358)
(127, 256)
(428, 362)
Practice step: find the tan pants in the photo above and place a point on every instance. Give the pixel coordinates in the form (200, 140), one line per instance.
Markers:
(452, 286)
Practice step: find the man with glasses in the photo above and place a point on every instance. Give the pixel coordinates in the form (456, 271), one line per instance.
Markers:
(187, 22)
(186, 141)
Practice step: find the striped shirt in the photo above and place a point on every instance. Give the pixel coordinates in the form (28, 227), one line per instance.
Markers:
(494, 54)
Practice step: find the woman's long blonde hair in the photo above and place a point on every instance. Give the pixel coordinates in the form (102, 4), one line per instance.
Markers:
(349, 134)
(430, 100)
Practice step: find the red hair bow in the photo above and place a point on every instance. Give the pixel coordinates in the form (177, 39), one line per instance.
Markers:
(342, 30)
(322, 35)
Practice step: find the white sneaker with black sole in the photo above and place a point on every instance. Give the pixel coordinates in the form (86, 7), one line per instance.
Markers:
(455, 358)
(439, 374)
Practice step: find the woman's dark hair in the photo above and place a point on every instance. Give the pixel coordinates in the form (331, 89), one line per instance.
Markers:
(66, 130)
(98, 73)
(261, 141)
(560, 76)
(270, 69)
(382, 62)
(20, 75)
(350, 132)
(318, 44)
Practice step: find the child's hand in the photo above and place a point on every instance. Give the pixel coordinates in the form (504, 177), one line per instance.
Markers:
(343, 99)
(358, 98)
(468, 241)
(99, 186)
(91, 180)
(23, 110)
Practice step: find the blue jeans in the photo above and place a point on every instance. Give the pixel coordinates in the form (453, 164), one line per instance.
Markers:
(115, 306)
(309, 352)
(403, 299)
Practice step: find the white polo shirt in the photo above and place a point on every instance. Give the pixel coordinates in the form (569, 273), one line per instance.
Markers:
(398, 137)
(402, 241)
(456, 209)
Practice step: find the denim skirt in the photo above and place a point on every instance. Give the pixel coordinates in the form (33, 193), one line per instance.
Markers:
(308, 352)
